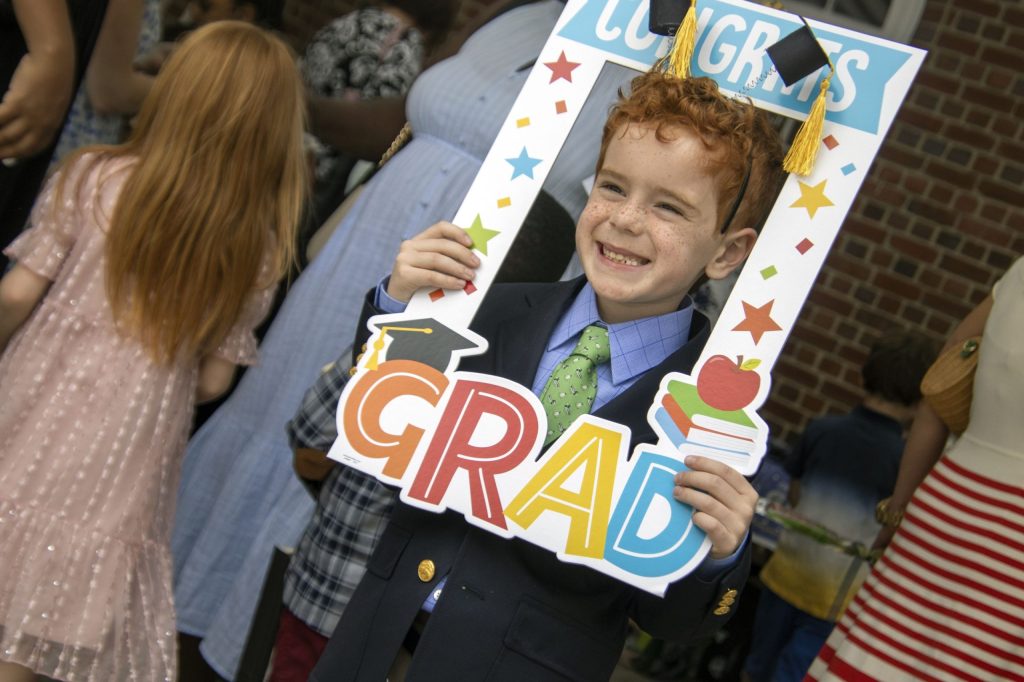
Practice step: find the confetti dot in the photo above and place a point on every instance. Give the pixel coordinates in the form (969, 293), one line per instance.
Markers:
(560, 107)
(848, 168)
(523, 122)
(469, 288)
(804, 246)
(504, 202)
(769, 272)
(831, 142)
(436, 294)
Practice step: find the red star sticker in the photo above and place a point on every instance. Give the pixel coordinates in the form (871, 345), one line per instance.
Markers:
(757, 321)
(561, 69)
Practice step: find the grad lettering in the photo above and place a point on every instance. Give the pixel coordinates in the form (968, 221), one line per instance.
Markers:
(589, 453)
(651, 533)
(372, 394)
(452, 449)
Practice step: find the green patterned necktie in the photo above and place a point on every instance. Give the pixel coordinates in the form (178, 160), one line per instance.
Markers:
(572, 386)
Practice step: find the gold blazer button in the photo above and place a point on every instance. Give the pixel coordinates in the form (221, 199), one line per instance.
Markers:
(425, 570)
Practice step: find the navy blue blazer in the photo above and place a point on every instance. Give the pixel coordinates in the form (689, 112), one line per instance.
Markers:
(511, 610)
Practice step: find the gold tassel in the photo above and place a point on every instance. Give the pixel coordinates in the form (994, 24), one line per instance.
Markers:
(378, 346)
(682, 49)
(804, 150)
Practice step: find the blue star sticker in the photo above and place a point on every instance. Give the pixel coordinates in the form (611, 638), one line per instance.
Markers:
(523, 165)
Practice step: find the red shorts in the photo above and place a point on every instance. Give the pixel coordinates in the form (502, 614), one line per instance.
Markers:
(296, 649)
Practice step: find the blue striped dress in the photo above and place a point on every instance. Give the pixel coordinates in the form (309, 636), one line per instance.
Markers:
(238, 495)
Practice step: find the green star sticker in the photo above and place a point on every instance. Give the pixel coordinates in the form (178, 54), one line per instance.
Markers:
(480, 234)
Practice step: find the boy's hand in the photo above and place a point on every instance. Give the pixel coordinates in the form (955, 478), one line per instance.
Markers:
(439, 257)
(722, 500)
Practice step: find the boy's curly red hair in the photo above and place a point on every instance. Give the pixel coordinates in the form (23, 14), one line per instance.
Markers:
(736, 134)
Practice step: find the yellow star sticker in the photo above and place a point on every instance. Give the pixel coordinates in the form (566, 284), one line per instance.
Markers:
(812, 198)
(480, 234)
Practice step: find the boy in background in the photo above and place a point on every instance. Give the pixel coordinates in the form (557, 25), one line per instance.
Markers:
(841, 468)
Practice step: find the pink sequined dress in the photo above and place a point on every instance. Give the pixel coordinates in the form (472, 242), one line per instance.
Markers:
(91, 437)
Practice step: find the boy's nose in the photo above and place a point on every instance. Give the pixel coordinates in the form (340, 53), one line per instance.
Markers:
(628, 217)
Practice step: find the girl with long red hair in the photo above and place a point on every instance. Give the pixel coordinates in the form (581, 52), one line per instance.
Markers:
(135, 294)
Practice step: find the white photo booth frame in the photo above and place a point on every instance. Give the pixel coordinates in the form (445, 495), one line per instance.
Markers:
(584, 500)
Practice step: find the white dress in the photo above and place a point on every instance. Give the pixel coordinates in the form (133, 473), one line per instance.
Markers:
(946, 601)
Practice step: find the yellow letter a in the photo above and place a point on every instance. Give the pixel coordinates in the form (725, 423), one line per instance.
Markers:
(592, 451)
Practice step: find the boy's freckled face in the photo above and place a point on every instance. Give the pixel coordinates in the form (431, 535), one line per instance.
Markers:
(649, 228)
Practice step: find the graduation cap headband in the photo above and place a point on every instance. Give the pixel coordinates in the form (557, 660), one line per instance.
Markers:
(739, 194)
(796, 56)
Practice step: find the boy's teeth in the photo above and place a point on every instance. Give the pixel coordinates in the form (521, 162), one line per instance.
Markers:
(619, 258)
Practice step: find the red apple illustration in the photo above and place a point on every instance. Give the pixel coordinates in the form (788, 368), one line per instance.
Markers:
(726, 385)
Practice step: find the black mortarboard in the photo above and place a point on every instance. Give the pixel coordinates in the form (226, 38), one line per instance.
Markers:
(797, 55)
(425, 340)
(666, 15)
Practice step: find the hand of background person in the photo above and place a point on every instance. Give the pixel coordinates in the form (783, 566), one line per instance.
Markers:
(439, 257)
(723, 502)
(311, 464)
(154, 59)
(883, 538)
(33, 108)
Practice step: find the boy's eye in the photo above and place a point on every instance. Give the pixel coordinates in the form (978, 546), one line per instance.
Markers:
(611, 187)
(672, 209)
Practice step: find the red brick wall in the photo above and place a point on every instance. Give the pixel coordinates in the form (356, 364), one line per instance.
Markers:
(939, 217)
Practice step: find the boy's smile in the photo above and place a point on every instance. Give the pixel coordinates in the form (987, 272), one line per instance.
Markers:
(650, 227)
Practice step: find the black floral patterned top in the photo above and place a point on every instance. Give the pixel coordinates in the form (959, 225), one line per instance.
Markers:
(361, 55)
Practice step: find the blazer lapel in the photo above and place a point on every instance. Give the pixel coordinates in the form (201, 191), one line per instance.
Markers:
(520, 339)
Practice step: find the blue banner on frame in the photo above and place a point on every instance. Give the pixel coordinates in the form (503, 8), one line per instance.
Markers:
(730, 48)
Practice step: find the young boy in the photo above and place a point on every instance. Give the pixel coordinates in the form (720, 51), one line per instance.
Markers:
(840, 469)
(352, 508)
(684, 178)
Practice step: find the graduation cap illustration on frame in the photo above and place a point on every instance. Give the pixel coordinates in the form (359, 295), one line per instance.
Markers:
(795, 57)
(423, 340)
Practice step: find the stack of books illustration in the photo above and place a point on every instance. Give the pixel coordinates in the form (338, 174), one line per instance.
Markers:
(688, 420)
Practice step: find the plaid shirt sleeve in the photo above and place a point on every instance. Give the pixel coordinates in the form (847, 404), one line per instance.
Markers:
(352, 511)
(314, 426)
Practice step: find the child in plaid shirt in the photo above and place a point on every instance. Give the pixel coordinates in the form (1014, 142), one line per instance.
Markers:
(352, 508)
(351, 512)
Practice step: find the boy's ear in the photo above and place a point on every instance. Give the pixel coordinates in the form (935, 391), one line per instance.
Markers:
(735, 247)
